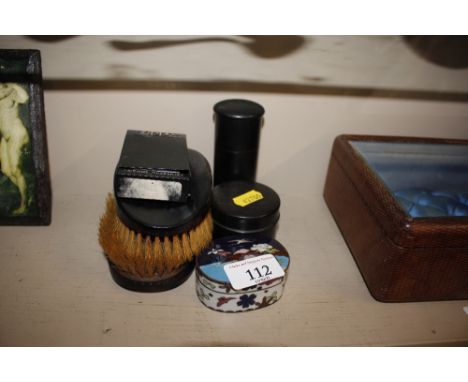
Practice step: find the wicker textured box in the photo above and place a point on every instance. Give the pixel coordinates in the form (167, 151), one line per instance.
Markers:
(401, 258)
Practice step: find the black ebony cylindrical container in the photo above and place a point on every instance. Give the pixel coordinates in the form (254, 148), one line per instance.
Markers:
(237, 137)
(240, 207)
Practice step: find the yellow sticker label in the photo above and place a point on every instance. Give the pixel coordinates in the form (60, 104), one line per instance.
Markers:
(249, 197)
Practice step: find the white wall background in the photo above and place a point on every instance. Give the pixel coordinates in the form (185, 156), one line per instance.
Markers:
(349, 61)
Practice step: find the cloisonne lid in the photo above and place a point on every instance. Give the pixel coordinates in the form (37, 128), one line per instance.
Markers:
(238, 123)
(226, 250)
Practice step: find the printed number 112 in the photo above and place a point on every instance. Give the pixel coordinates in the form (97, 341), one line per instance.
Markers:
(264, 267)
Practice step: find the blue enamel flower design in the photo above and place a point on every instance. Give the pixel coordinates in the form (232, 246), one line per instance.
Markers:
(245, 301)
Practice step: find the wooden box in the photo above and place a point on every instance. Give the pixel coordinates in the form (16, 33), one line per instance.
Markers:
(410, 248)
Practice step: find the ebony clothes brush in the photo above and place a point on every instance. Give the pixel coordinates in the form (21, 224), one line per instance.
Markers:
(151, 243)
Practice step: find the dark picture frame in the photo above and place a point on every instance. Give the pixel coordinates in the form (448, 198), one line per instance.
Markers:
(25, 191)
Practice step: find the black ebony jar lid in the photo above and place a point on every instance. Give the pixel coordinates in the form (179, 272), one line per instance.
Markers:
(238, 123)
(245, 207)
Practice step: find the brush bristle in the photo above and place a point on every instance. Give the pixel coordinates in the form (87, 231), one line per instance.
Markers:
(149, 256)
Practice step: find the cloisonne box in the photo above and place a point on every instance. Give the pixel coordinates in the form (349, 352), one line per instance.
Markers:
(213, 285)
(402, 207)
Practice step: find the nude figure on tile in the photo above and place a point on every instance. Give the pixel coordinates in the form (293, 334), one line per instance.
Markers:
(13, 137)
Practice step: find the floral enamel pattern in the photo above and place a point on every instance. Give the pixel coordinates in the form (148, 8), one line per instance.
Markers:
(224, 300)
(239, 302)
(213, 287)
(246, 300)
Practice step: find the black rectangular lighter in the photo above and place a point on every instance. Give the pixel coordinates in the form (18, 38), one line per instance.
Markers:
(153, 166)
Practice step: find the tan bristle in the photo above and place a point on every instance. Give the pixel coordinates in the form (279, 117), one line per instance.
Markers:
(149, 256)
(129, 250)
(123, 236)
(107, 233)
(158, 256)
(168, 258)
(139, 256)
(177, 251)
(186, 250)
(194, 241)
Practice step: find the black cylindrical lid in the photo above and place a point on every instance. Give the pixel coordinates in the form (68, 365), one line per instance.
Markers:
(238, 123)
(253, 217)
(161, 218)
